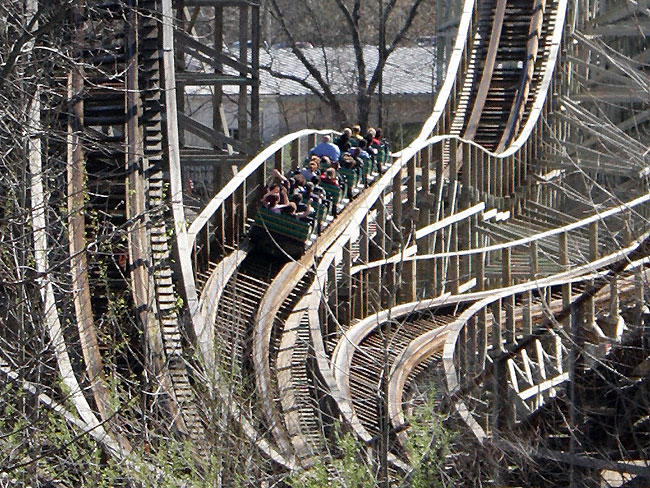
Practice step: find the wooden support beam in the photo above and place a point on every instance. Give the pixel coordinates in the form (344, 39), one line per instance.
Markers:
(207, 79)
(345, 288)
(397, 208)
(208, 55)
(278, 158)
(564, 261)
(208, 134)
(295, 153)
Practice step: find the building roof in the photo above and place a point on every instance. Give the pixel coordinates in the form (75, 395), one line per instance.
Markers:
(408, 71)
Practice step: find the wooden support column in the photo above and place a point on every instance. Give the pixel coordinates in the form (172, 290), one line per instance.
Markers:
(464, 227)
(490, 177)
(425, 269)
(228, 220)
(512, 175)
(527, 326)
(255, 187)
(363, 275)
(474, 172)
(239, 212)
(388, 291)
(219, 123)
(311, 141)
(528, 297)
(179, 61)
(407, 291)
(439, 264)
(411, 186)
(397, 209)
(613, 298)
(481, 338)
(590, 312)
(502, 409)
(564, 261)
(425, 161)
(345, 288)
(242, 104)
(496, 176)
(534, 260)
(333, 305)
(576, 367)
(375, 274)
(497, 327)
(453, 173)
(438, 237)
(509, 301)
(453, 270)
(373, 290)
(256, 132)
(279, 160)
(479, 164)
(481, 316)
(472, 356)
(438, 160)
(463, 354)
(295, 153)
(380, 238)
(220, 226)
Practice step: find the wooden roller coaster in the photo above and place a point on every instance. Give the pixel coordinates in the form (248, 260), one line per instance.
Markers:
(475, 264)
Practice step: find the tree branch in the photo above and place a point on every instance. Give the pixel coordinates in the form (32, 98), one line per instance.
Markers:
(327, 93)
(27, 36)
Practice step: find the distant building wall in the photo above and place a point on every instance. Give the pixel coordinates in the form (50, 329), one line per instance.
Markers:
(282, 115)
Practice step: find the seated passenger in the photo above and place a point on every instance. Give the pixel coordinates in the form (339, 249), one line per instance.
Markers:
(278, 190)
(326, 148)
(343, 141)
(326, 162)
(371, 140)
(382, 146)
(349, 162)
(309, 193)
(297, 199)
(305, 214)
(271, 202)
(311, 170)
(330, 177)
(300, 182)
(277, 177)
(291, 210)
(356, 136)
(362, 148)
(288, 209)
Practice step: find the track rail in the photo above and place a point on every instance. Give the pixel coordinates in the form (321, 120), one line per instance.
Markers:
(464, 229)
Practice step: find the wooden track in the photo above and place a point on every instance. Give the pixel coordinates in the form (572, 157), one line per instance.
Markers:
(455, 252)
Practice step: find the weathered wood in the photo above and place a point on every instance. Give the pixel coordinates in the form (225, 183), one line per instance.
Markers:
(488, 68)
(508, 302)
(210, 56)
(210, 135)
(564, 261)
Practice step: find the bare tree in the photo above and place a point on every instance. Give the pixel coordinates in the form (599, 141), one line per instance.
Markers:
(385, 25)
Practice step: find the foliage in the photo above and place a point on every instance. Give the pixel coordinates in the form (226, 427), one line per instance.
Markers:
(347, 468)
(428, 445)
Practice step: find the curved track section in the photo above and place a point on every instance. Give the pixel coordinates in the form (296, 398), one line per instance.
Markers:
(453, 255)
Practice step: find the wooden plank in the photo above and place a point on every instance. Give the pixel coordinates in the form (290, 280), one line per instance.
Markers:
(220, 3)
(488, 68)
(207, 54)
(622, 29)
(211, 136)
(205, 79)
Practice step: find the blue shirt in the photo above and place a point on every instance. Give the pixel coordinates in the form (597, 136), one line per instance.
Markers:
(328, 149)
